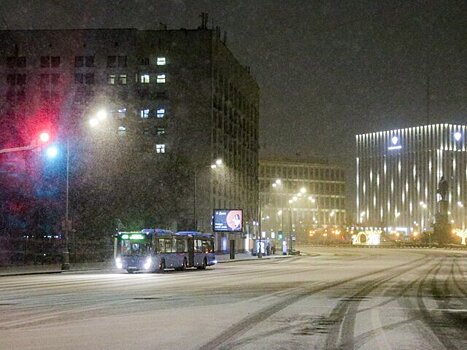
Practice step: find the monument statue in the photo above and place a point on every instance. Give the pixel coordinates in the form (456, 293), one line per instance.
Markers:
(443, 188)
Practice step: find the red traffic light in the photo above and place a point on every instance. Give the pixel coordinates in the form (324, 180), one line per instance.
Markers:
(44, 137)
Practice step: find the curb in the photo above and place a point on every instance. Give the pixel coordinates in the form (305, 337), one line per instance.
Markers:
(49, 272)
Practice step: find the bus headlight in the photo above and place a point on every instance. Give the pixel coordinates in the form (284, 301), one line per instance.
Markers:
(148, 263)
(118, 263)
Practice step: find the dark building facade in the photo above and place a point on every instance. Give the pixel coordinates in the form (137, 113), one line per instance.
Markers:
(176, 100)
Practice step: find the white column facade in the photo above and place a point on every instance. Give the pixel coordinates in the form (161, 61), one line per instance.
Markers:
(398, 173)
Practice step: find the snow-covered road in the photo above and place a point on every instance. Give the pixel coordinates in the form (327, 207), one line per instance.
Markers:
(342, 298)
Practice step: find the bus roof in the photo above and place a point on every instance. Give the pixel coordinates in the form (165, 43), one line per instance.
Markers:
(147, 231)
(194, 234)
(161, 232)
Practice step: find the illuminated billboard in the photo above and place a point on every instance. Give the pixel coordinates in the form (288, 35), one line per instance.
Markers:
(227, 220)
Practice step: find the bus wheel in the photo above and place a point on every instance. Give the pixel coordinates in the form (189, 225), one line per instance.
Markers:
(130, 271)
(162, 266)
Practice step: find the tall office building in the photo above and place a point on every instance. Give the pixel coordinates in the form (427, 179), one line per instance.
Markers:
(398, 172)
(298, 195)
(178, 100)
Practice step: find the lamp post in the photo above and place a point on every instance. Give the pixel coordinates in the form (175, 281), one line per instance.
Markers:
(278, 184)
(66, 253)
(313, 203)
(260, 228)
(460, 219)
(424, 206)
(218, 163)
(94, 122)
(291, 201)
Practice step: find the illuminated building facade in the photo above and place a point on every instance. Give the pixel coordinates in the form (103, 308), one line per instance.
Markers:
(297, 195)
(398, 172)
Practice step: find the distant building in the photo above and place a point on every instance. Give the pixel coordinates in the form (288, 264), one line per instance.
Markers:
(297, 195)
(170, 93)
(398, 172)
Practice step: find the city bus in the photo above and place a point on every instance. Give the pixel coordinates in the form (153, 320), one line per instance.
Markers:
(152, 250)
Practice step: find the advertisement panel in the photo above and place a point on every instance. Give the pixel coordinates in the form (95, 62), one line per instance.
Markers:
(228, 220)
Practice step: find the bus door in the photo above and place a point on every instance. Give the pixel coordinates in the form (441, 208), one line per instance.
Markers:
(191, 251)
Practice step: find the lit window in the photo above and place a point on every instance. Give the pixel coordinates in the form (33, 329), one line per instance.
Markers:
(121, 130)
(144, 113)
(144, 78)
(160, 78)
(122, 79)
(121, 113)
(160, 113)
(160, 148)
(161, 61)
(111, 79)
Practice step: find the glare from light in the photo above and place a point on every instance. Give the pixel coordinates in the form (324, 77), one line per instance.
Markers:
(457, 136)
(118, 263)
(303, 190)
(44, 136)
(52, 151)
(394, 140)
(93, 122)
(213, 166)
(102, 114)
(148, 263)
(219, 162)
(278, 182)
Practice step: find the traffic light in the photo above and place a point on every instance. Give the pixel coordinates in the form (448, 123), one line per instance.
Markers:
(52, 151)
(44, 137)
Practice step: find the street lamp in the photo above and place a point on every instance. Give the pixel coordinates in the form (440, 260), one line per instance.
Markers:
(278, 185)
(461, 218)
(332, 214)
(313, 203)
(94, 122)
(217, 164)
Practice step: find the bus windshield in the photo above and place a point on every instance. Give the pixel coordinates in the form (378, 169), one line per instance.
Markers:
(133, 247)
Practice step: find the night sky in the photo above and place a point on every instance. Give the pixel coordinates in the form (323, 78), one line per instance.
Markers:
(327, 69)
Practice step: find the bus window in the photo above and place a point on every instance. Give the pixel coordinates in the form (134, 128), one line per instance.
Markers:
(207, 248)
(165, 245)
(198, 246)
(181, 245)
(129, 247)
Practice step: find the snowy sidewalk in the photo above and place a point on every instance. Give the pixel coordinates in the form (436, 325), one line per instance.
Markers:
(56, 268)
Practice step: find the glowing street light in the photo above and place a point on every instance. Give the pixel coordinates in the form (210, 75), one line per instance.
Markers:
(52, 151)
(102, 114)
(213, 165)
(44, 137)
(98, 118)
